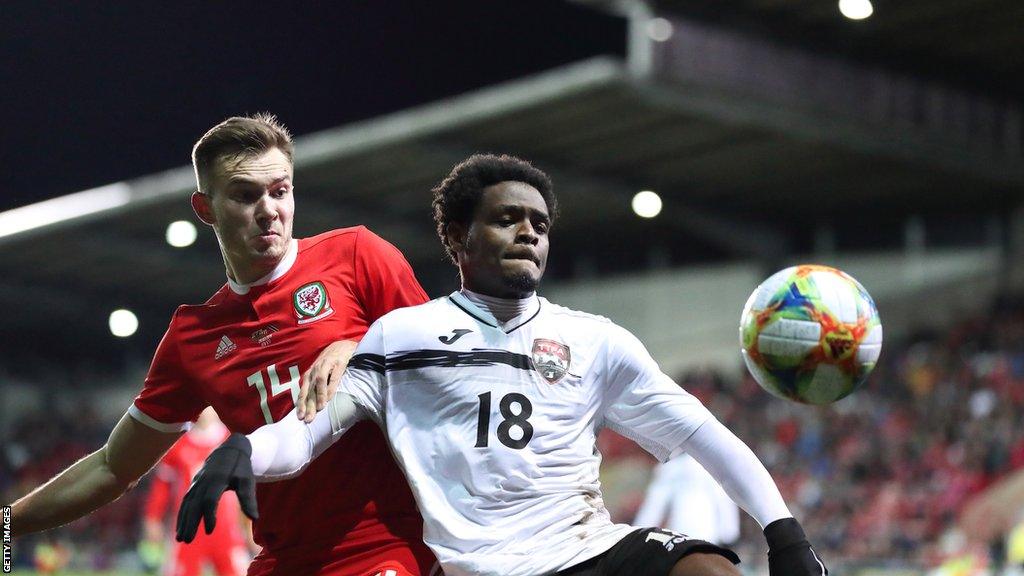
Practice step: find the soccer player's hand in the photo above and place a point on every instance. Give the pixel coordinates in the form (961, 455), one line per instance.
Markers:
(789, 552)
(226, 468)
(323, 378)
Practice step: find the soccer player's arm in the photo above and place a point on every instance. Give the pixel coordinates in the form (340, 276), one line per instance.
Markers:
(647, 406)
(734, 465)
(136, 443)
(94, 481)
(273, 452)
(285, 448)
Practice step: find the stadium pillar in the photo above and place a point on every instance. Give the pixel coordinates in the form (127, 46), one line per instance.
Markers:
(640, 47)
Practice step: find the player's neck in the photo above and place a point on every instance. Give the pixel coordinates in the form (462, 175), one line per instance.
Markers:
(503, 309)
(240, 270)
(247, 273)
(241, 278)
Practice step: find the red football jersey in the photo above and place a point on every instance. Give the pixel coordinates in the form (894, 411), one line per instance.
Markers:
(174, 474)
(243, 352)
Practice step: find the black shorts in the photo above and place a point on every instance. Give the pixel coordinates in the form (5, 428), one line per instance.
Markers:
(646, 552)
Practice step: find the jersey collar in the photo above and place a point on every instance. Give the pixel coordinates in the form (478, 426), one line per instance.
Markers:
(282, 267)
(485, 316)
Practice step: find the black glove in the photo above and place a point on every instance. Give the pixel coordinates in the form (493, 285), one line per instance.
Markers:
(789, 552)
(226, 468)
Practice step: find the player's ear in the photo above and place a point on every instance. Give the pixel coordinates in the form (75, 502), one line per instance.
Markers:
(456, 234)
(203, 209)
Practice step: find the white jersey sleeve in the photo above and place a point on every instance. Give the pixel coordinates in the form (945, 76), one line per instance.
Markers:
(642, 403)
(646, 406)
(284, 449)
(737, 469)
(364, 380)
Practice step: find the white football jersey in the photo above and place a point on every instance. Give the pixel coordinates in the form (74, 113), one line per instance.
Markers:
(495, 428)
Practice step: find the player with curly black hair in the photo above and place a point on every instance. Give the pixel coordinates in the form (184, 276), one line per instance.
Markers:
(458, 195)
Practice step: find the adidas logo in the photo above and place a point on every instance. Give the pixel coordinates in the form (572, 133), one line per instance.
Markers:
(224, 347)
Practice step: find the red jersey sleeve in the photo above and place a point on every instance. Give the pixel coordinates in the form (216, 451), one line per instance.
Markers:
(384, 279)
(166, 402)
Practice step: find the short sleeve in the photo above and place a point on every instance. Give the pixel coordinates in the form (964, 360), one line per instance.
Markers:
(642, 403)
(364, 378)
(384, 279)
(167, 403)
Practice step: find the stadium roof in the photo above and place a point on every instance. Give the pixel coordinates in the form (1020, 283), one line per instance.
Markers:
(970, 43)
(747, 168)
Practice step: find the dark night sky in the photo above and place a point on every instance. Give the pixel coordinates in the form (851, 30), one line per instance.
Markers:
(99, 92)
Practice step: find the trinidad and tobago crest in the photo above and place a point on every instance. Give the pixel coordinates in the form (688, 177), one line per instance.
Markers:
(311, 302)
(551, 359)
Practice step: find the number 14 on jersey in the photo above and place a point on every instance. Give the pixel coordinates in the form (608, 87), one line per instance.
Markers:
(276, 387)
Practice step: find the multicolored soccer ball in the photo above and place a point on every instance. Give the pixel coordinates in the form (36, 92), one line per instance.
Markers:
(810, 334)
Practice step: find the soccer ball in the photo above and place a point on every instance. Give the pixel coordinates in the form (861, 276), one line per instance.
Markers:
(811, 334)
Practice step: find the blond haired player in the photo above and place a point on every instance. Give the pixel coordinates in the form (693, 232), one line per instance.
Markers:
(244, 352)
